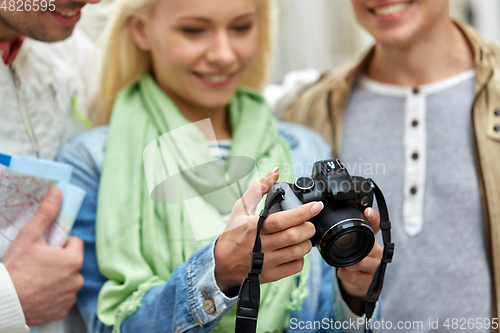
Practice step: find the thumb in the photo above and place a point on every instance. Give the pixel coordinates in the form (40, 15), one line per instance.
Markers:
(46, 213)
(373, 219)
(248, 203)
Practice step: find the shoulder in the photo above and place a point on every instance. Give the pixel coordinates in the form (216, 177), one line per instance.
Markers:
(86, 151)
(310, 105)
(489, 52)
(69, 66)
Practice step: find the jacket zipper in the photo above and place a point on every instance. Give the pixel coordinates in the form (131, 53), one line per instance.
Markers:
(25, 118)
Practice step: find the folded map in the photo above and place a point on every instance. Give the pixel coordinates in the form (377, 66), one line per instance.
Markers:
(24, 182)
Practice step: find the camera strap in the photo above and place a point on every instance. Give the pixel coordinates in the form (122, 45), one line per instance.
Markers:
(249, 295)
(377, 283)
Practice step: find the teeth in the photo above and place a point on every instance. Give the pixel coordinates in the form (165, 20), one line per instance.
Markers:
(391, 9)
(216, 78)
(68, 14)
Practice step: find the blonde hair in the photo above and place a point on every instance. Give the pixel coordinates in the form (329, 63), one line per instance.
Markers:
(124, 63)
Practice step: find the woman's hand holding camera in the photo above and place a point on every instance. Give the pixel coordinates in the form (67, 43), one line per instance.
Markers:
(285, 241)
(285, 238)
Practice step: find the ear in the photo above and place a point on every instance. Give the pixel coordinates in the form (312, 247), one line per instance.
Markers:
(138, 28)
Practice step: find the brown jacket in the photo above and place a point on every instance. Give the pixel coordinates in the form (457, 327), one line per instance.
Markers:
(322, 106)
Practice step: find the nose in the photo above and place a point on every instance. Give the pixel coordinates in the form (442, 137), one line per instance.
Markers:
(221, 53)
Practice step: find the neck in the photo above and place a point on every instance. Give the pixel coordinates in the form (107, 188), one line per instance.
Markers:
(7, 34)
(439, 53)
(218, 117)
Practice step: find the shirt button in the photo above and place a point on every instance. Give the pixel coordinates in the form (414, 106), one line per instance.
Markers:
(415, 156)
(497, 128)
(414, 123)
(416, 90)
(413, 190)
(497, 112)
(208, 304)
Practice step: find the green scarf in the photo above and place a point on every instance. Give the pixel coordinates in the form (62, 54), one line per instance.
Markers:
(139, 241)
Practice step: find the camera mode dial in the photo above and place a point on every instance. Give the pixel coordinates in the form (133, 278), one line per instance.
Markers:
(305, 184)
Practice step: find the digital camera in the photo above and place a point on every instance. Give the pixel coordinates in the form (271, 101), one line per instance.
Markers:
(343, 236)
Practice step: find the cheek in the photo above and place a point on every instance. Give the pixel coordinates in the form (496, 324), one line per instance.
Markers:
(174, 55)
(246, 48)
(359, 11)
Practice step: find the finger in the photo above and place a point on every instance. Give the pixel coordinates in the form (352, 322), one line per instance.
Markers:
(367, 265)
(376, 251)
(289, 254)
(354, 283)
(290, 236)
(46, 213)
(251, 198)
(74, 244)
(290, 218)
(373, 218)
(74, 252)
(282, 271)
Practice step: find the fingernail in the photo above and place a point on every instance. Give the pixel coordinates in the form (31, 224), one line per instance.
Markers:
(53, 194)
(370, 213)
(272, 171)
(317, 207)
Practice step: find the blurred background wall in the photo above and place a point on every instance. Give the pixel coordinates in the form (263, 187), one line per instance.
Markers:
(322, 34)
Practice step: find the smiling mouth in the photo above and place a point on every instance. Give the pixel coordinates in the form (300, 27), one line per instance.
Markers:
(68, 14)
(391, 9)
(215, 78)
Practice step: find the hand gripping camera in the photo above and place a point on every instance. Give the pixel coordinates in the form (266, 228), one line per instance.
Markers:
(343, 236)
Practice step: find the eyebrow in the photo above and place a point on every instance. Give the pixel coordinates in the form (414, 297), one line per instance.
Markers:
(205, 20)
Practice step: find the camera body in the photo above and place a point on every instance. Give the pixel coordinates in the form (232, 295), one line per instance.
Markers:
(343, 236)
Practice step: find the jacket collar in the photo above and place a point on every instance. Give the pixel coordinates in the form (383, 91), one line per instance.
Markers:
(345, 76)
(483, 56)
(9, 50)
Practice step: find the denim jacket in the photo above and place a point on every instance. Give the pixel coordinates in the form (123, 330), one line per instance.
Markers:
(165, 307)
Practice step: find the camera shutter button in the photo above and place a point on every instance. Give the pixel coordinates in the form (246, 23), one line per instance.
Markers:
(304, 183)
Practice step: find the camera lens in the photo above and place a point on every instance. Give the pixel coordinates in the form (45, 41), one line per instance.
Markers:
(346, 245)
(346, 241)
(343, 236)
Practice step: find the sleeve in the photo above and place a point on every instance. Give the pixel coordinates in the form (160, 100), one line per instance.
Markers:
(177, 305)
(11, 314)
(86, 174)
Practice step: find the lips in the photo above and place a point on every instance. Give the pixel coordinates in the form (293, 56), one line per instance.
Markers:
(391, 9)
(215, 80)
(67, 18)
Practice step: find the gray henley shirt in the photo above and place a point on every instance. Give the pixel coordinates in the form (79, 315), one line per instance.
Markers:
(416, 144)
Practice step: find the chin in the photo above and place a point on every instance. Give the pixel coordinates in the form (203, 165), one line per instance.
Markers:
(213, 103)
(396, 36)
(52, 34)
(211, 99)
(62, 34)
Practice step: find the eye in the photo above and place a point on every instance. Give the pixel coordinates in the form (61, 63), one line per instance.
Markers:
(242, 28)
(193, 31)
